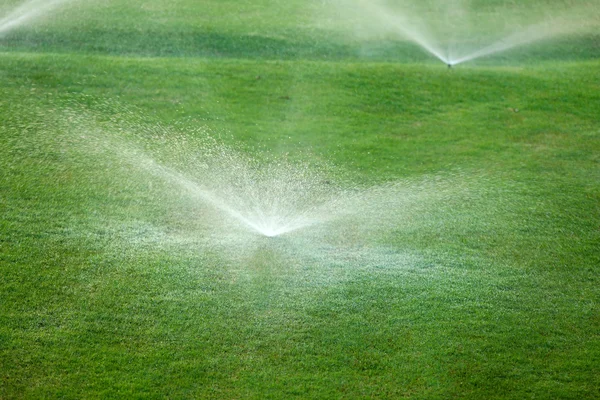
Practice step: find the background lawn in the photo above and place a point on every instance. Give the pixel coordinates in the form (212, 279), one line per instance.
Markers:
(468, 269)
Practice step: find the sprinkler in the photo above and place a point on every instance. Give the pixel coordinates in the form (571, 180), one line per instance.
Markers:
(449, 65)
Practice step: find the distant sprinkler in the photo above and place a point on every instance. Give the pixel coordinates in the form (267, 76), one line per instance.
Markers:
(449, 65)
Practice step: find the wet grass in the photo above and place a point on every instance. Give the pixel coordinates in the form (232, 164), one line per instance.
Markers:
(112, 285)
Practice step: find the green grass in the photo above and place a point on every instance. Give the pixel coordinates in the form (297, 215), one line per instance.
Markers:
(272, 29)
(109, 289)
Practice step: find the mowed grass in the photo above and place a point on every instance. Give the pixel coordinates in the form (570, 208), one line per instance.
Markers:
(109, 289)
(297, 30)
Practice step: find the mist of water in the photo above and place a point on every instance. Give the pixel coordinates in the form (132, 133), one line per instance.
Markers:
(266, 196)
(28, 12)
(132, 185)
(269, 200)
(527, 35)
(448, 32)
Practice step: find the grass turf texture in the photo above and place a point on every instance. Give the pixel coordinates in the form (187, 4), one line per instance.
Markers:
(483, 302)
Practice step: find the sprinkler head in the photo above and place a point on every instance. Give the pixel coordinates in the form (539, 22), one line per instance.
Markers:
(449, 65)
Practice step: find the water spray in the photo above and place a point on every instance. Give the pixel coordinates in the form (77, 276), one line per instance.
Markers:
(27, 12)
(407, 25)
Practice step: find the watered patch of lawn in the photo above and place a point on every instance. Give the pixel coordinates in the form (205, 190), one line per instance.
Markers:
(467, 267)
(113, 286)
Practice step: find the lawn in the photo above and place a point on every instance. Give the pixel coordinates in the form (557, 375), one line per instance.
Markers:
(465, 263)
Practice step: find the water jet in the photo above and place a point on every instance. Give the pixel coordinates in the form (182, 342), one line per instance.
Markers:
(407, 21)
(268, 197)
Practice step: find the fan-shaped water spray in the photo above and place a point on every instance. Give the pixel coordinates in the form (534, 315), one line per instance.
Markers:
(269, 196)
(271, 200)
(449, 37)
